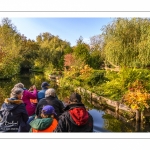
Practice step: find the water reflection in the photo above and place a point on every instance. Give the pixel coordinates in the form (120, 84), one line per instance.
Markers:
(98, 120)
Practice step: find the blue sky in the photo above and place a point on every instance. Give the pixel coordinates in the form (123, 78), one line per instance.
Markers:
(69, 29)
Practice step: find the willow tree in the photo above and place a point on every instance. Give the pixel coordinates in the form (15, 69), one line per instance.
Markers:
(126, 42)
(9, 49)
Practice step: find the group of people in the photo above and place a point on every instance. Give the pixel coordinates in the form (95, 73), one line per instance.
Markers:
(47, 113)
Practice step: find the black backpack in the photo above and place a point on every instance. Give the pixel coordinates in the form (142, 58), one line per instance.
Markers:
(5, 115)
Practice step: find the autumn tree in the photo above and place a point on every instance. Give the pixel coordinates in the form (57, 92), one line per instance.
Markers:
(10, 44)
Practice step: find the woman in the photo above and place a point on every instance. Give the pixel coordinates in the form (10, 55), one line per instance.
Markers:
(47, 122)
(27, 95)
(13, 113)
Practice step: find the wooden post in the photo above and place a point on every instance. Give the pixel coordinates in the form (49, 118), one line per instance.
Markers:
(142, 120)
(116, 115)
(142, 116)
(137, 126)
(138, 115)
(117, 106)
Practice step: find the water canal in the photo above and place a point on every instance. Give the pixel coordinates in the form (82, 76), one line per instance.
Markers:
(103, 121)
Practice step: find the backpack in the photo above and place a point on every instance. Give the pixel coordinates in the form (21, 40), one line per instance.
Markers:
(4, 115)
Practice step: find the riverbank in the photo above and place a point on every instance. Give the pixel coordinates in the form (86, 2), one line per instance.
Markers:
(121, 110)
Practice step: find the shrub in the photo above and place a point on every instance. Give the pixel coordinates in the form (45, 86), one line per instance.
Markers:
(137, 96)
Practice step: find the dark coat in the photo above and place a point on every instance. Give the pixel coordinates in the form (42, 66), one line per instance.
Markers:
(13, 116)
(75, 119)
(53, 101)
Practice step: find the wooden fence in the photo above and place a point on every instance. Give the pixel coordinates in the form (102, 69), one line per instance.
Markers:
(119, 107)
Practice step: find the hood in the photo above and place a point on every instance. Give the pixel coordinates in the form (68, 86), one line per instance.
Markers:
(10, 104)
(71, 106)
(41, 124)
(13, 101)
(79, 115)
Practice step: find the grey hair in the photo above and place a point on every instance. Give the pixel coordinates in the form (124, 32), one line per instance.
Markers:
(15, 92)
(19, 85)
(50, 92)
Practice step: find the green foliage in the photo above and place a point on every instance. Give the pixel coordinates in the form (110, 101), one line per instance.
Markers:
(118, 83)
(126, 42)
(81, 51)
(9, 49)
(95, 60)
(29, 53)
(51, 52)
(113, 89)
(113, 124)
(96, 78)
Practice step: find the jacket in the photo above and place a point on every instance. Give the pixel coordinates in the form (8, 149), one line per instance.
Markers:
(30, 107)
(53, 101)
(13, 116)
(41, 94)
(43, 125)
(75, 119)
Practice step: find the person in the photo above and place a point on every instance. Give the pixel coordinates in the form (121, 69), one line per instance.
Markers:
(50, 99)
(27, 95)
(75, 118)
(47, 122)
(13, 113)
(41, 93)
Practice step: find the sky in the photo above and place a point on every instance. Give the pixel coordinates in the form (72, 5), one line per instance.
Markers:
(69, 29)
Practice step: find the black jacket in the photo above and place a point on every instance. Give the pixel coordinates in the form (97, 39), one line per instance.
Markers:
(13, 116)
(75, 119)
(53, 101)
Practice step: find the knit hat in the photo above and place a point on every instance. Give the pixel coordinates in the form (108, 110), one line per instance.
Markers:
(48, 110)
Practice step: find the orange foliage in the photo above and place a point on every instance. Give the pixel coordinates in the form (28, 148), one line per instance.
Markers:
(68, 60)
(137, 97)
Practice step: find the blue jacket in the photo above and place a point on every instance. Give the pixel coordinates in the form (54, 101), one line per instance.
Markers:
(41, 94)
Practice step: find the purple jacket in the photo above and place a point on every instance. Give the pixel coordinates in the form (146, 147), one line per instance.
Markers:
(27, 95)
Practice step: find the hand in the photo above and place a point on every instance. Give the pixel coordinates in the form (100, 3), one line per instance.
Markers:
(34, 87)
(31, 88)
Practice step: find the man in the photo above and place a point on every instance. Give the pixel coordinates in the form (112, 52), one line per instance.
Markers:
(50, 99)
(41, 93)
(75, 118)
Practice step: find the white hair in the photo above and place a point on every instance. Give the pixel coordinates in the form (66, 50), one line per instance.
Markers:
(50, 92)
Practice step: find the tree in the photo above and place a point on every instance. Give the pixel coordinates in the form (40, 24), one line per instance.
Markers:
(126, 42)
(52, 51)
(68, 60)
(81, 51)
(10, 44)
(29, 52)
(96, 54)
